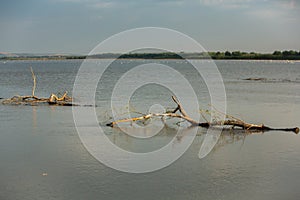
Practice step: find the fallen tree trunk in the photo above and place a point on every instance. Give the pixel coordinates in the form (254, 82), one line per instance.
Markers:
(230, 121)
(247, 126)
(64, 100)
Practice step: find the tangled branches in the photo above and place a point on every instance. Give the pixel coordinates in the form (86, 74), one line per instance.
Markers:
(229, 121)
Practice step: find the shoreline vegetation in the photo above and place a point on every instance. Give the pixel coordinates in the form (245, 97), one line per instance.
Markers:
(227, 55)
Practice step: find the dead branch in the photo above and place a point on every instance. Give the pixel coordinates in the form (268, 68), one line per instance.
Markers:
(34, 81)
(64, 100)
(184, 114)
(230, 121)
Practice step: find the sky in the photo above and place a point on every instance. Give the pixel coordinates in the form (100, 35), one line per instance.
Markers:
(77, 26)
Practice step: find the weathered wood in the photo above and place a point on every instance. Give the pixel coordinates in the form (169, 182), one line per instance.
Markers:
(247, 126)
(184, 114)
(255, 79)
(229, 121)
(64, 100)
(34, 82)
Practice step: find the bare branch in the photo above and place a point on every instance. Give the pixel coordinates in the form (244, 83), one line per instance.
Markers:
(229, 121)
(34, 81)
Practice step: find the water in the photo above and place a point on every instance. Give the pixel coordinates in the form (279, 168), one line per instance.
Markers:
(41, 156)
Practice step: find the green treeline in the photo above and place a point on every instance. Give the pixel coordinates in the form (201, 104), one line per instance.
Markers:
(237, 55)
(165, 55)
(276, 55)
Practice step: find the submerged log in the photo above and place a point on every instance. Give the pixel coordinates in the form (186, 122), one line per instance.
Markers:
(247, 126)
(21, 100)
(230, 121)
(255, 79)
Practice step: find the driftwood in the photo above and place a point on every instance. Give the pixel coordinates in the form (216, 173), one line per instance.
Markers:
(255, 79)
(229, 121)
(32, 99)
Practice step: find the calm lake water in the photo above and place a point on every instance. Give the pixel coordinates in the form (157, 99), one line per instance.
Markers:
(42, 157)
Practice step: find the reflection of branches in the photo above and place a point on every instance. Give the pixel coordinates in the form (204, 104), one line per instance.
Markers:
(229, 137)
(229, 122)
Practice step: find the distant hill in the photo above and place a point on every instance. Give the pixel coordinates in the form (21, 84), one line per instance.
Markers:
(234, 55)
(6, 54)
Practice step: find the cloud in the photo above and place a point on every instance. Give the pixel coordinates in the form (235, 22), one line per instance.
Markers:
(277, 10)
(218, 2)
(99, 5)
(103, 4)
(73, 1)
(110, 2)
(272, 10)
(233, 4)
(265, 13)
(290, 5)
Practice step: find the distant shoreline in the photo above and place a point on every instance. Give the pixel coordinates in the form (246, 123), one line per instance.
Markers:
(62, 59)
(235, 55)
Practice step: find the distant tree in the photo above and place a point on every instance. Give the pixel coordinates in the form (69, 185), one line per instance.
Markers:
(277, 53)
(285, 53)
(289, 53)
(293, 53)
(236, 53)
(227, 53)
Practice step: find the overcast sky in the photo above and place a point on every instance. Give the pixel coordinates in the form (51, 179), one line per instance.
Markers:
(77, 26)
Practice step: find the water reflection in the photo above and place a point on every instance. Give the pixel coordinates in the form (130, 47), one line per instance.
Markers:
(34, 117)
(167, 133)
